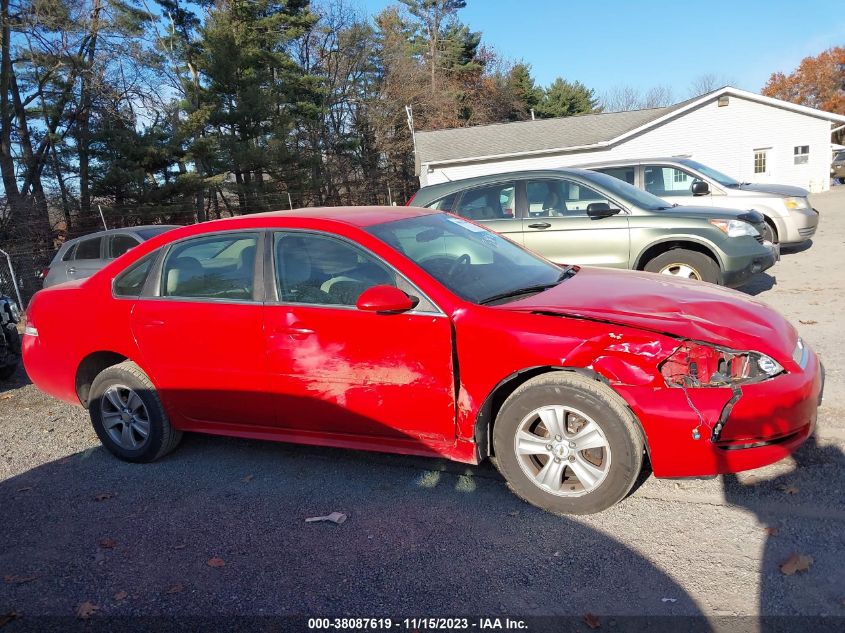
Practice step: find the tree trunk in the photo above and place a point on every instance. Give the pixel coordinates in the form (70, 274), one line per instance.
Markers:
(84, 121)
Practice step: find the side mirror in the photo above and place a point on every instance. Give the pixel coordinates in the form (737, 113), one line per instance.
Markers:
(700, 188)
(598, 210)
(384, 299)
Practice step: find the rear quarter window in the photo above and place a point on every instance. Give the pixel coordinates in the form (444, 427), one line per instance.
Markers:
(131, 281)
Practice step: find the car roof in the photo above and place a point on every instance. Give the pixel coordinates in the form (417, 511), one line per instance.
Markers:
(136, 230)
(354, 216)
(554, 172)
(635, 161)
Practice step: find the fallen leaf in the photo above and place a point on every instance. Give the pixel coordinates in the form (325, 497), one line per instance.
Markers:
(120, 595)
(592, 621)
(8, 617)
(795, 563)
(216, 562)
(514, 513)
(108, 543)
(771, 531)
(790, 490)
(25, 489)
(180, 546)
(177, 588)
(6, 396)
(807, 322)
(247, 479)
(104, 495)
(86, 610)
(13, 579)
(668, 600)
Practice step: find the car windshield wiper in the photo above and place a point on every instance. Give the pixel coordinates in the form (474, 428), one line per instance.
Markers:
(567, 271)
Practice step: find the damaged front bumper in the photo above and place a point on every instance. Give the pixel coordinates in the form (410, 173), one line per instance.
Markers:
(711, 431)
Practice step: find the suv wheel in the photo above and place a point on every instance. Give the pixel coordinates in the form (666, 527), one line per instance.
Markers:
(128, 415)
(680, 262)
(567, 444)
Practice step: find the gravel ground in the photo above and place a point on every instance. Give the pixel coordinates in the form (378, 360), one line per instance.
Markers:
(424, 537)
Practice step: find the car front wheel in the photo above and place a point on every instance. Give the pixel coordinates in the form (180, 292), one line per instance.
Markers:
(567, 444)
(687, 264)
(128, 415)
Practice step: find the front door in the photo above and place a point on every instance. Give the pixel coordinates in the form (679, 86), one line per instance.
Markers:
(202, 336)
(557, 225)
(336, 369)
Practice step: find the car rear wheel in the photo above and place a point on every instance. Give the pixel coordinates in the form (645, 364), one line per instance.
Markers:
(128, 415)
(680, 262)
(567, 444)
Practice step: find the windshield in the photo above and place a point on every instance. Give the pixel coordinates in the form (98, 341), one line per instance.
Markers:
(711, 173)
(628, 193)
(471, 261)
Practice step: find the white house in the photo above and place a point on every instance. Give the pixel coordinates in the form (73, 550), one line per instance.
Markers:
(745, 135)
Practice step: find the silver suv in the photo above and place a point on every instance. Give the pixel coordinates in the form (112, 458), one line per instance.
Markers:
(83, 256)
(790, 219)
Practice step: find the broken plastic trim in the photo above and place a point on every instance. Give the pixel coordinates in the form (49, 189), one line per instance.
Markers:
(696, 365)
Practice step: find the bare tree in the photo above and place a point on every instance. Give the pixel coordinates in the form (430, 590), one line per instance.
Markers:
(624, 98)
(707, 82)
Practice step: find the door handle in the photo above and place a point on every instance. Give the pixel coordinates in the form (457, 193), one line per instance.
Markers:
(71, 270)
(299, 333)
(539, 225)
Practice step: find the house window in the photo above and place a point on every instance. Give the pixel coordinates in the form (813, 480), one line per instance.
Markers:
(802, 154)
(679, 176)
(760, 162)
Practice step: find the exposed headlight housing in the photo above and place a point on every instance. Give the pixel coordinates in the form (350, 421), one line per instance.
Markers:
(735, 228)
(702, 365)
(796, 203)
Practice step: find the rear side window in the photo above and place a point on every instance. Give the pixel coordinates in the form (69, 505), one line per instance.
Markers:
(120, 244)
(89, 249)
(494, 202)
(443, 204)
(130, 282)
(625, 174)
(216, 267)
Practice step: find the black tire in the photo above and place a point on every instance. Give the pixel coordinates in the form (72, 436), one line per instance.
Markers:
(704, 267)
(769, 233)
(162, 437)
(596, 400)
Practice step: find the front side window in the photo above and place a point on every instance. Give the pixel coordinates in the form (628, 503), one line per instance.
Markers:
(120, 244)
(130, 282)
(493, 202)
(664, 181)
(88, 249)
(802, 154)
(322, 270)
(473, 262)
(215, 267)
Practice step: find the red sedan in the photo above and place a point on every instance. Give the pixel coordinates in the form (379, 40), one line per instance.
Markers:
(413, 331)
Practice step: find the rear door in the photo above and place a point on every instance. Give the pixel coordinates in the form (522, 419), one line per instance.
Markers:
(119, 243)
(494, 206)
(557, 225)
(88, 258)
(201, 334)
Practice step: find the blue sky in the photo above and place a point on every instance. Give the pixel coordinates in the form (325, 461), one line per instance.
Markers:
(643, 43)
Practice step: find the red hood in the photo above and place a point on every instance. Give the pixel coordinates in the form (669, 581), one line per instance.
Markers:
(686, 309)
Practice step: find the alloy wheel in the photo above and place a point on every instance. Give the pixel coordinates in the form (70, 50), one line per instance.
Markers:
(125, 417)
(681, 270)
(562, 450)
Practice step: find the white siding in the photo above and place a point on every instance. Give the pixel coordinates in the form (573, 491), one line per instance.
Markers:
(724, 138)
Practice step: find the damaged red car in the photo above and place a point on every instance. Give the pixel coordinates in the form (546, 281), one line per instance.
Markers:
(414, 331)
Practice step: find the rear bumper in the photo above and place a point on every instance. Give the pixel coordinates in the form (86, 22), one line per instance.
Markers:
(769, 421)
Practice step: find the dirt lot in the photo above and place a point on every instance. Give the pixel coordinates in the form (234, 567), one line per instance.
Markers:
(424, 537)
